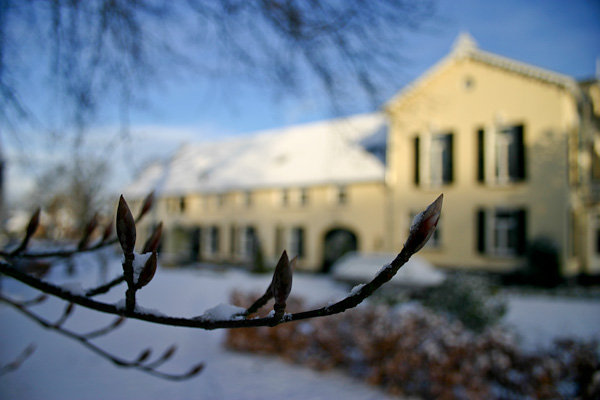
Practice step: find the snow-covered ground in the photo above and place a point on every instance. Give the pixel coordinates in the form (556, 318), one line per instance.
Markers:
(61, 369)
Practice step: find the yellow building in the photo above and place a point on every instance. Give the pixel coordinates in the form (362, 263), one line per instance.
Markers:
(513, 147)
(316, 190)
(506, 143)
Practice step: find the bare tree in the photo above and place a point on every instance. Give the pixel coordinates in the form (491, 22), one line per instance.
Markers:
(70, 192)
(139, 270)
(100, 57)
(99, 53)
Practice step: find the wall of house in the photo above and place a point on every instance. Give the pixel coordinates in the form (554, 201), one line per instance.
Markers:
(464, 97)
(274, 218)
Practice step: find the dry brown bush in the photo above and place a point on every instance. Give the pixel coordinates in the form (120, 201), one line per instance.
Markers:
(410, 350)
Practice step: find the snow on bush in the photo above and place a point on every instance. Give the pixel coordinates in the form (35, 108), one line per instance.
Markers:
(410, 350)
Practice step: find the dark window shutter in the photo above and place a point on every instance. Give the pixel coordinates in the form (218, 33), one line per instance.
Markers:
(417, 158)
(521, 216)
(448, 161)
(517, 160)
(480, 156)
(480, 231)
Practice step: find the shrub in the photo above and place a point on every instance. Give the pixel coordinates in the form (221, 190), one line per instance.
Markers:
(472, 299)
(410, 350)
(543, 263)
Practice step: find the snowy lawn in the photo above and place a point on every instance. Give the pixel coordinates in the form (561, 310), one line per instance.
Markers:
(61, 369)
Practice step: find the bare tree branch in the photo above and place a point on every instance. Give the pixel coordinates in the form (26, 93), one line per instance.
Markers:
(107, 52)
(420, 234)
(139, 272)
(84, 339)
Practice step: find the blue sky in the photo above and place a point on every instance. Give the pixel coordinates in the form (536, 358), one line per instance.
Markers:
(562, 36)
(558, 35)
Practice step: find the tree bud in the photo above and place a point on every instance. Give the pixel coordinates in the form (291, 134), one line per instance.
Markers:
(143, 356)
(87, 232)
(194, 371)
(423, 226)
(34, 222)
(148, 203)
(125, 227)
(148, 271)
(153, 241)
(282, 279)
(108, 230)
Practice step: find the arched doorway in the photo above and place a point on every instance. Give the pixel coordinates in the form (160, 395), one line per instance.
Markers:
(337, 243)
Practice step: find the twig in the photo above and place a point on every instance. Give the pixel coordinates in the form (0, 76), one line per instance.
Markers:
(106, 287)
(260, 302)
(138, 363)
(349, 302)
(16, 363)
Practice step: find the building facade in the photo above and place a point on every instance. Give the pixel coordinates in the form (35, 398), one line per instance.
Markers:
(316, 190)
(514, 148)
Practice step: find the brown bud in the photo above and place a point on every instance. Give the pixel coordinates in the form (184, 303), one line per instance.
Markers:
(153, 241)
(282, 279)
(108, 230)
(87, 232)
(148, 271)
(69, 309)
(125, 227)
(168, 353)
(117, 322)
(148, 203)
(34, 222)
(143, 356)
(195, 371)
(423, 226)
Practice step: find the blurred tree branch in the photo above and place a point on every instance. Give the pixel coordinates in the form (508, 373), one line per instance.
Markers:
(99, 53)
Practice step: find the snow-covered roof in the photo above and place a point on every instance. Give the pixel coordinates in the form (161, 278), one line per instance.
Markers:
(330, 151)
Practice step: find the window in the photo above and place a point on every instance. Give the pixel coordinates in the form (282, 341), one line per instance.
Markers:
(342, 195)
(248, 242)
(297, 242)
(221, 199)
(211, 240)
(285, 197)
(501, 155)
(176, 205)
(303, 196)
(433, 160)
(248, 199)
(279, 247)
(501, 232)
